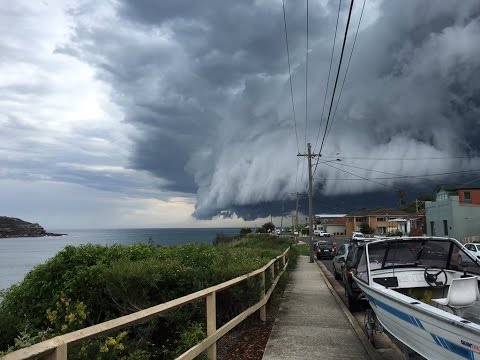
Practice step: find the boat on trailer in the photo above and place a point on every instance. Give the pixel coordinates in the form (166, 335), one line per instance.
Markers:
(423, 291)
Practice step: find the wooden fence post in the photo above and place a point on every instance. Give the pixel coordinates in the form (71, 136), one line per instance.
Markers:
(263, 309)
(212, 324)
(60, 353)
(272, 274)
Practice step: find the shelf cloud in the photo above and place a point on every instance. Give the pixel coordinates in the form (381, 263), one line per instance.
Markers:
(201, 90)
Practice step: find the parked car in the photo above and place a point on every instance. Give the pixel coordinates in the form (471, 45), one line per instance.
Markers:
(355, 296)
(473, 249)
(321, 233)
(340, 259)
(357, 236)
(324, 248)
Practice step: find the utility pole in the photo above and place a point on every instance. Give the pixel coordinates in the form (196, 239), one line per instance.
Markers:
(310, 198)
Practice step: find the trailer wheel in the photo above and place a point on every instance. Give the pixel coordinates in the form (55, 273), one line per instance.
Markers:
(369, 322)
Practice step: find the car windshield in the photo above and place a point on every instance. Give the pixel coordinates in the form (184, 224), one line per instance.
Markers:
(420, 252)
(478, 247)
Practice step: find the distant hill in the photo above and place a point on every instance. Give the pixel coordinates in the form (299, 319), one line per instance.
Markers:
(13, 227)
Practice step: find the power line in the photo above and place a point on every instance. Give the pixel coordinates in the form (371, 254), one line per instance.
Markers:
(328, 78)
(306, 85)
(346, 70)
(335, 86)
(401, 158)
(336, 78)
(364, 178)
(398, 176)
(290, 75)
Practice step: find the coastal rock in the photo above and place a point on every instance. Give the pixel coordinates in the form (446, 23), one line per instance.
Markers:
(13, 227)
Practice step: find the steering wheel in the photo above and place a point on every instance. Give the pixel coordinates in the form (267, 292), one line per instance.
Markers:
(431, 277)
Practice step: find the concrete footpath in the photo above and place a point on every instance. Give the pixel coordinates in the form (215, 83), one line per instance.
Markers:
(313, 323)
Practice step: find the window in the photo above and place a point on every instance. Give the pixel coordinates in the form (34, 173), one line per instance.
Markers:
(380, 219)
(381, 230)
(362, 271)
(467, 198)
(432, 227)
(445, 227)
(470, 247)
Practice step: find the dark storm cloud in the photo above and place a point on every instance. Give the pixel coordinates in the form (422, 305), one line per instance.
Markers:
(206, 85)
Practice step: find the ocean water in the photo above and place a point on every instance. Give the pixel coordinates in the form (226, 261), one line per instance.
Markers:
(20, 255)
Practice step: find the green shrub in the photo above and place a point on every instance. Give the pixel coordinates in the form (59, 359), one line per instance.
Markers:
(89, 284)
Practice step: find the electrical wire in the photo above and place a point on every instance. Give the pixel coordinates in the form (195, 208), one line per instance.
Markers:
(335, 86)
(398, 176)
(364, 178)
(346, 70)
(328, 78)
(388, 159)
(336, 78)
(306, 86)
(290, 75)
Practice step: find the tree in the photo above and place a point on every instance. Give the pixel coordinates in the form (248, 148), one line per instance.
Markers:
(245, 231)
(366, 229)
(266, 227)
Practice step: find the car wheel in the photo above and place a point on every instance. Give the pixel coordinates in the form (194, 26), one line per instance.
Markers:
(353, 304)
(335, 273)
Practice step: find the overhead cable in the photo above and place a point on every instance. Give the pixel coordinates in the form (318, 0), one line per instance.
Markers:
(346, 70)
(290, 74)
(361, 177)
(336, 78)
(328, 78)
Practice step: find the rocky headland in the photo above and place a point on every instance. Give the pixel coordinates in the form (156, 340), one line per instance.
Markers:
(13, 227)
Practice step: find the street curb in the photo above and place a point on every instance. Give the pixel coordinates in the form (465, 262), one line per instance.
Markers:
(371, 351)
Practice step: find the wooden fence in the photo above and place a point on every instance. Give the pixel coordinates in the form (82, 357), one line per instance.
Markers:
(57, 347)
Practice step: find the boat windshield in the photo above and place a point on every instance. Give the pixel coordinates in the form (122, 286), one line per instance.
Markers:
(422, 252)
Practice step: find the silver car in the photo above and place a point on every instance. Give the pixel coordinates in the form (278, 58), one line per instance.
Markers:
(339, 260)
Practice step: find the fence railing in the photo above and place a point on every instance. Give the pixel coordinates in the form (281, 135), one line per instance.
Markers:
(57, 347)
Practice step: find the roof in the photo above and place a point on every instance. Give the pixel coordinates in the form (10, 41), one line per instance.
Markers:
(472, 184)
(363, 212)
(389, 212)
(329, 216)
(379, 212)
(337, 221)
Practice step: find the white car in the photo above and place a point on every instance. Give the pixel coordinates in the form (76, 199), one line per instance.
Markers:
(321, 233)
(474, 249)
(357, 236)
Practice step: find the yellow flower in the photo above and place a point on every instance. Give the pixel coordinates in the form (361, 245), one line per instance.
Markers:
(51, 315)
(110, 341)
(121, 335)
(103, 348)
(70, 318)
(120, 347)
(64, 328)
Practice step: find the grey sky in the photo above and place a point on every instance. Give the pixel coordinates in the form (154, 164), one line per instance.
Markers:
(145, 105)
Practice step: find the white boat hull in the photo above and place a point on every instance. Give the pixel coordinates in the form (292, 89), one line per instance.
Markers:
(431, 332)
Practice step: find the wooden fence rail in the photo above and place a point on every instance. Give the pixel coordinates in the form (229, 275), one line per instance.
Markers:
(57, 347)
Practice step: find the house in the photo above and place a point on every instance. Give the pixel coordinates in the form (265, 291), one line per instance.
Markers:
(455, 211)
(336, 226)
(321, 222)
(383, 221)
